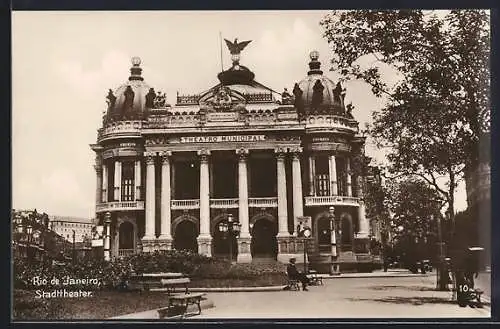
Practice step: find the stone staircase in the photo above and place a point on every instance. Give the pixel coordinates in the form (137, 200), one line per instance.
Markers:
(263, 260)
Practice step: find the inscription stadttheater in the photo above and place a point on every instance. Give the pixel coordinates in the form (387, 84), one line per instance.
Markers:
(223, 139)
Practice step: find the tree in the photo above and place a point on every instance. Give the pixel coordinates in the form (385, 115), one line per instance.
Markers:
(415, 208)
(432, 122)
(375, 197)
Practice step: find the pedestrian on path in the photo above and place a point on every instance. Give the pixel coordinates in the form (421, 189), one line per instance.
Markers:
(294, 274)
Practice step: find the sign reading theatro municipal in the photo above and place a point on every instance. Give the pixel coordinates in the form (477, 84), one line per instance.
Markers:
(264, 164)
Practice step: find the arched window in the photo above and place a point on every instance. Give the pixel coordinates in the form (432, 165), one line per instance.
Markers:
(126, 240)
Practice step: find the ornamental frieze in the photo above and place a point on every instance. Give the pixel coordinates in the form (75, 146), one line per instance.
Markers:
(156, 141)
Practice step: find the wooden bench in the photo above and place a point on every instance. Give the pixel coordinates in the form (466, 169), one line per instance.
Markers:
(314, 278)
(146, 281)
(182, 299)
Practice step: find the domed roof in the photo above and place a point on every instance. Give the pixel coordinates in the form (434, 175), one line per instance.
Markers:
(317, 93)
(129, 100)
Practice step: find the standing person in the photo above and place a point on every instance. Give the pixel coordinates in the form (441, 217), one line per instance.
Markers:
(294, 274)
(471, 265)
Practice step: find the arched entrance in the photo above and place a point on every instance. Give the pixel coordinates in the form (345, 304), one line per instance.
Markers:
(222, 240)
(347, 232)
(264, 243)
(126, 236)
(324, 234)
(185, 236)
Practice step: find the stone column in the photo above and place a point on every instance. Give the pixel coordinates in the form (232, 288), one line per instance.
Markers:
(349, 176)
(165, 234)
(107, 236)
(364, 225)
(172, 179)
(282, 201)
(118, 180)
(211, 179)
(204, 239)
(104, 189)
(298, 208)
(98, 184)
(244, 239)
(312, 174)
(137, 179)
(333, 175)
(149, 236)
(285, 248)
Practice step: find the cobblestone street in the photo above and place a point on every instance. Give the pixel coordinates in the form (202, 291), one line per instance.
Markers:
(396, 297)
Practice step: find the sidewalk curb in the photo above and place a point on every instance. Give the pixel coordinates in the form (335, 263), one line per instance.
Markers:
(231, 289)
(364, 276)
(155, 313)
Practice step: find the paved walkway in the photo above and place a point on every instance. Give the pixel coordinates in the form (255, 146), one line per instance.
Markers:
(378, 297)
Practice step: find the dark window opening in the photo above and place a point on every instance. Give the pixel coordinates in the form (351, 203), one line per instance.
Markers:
(128, 181)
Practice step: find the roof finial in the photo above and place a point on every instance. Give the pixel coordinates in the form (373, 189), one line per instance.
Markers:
(235, 49)
(314, 64)
(135, 70)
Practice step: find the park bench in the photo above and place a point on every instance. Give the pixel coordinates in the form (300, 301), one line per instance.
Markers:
(147, 281)
(314, 278)
(181, 300)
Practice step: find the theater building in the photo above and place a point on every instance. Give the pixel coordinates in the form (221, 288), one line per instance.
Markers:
(167, 175)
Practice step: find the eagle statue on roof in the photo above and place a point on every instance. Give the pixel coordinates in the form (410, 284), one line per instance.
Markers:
(236, 47)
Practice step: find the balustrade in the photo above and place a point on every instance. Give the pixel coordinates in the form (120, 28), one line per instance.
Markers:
(185, 204)
(125, 252)
(331, 200)
(187, 99)
(263, 202)
(224, 203)
(123, 205)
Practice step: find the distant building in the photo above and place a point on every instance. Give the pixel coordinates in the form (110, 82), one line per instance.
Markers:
(64, 226)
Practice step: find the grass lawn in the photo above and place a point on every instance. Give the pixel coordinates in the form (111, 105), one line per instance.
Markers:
(103, 305)
(106, 304)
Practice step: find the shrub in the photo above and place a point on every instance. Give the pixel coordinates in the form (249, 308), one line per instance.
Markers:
(114, 274)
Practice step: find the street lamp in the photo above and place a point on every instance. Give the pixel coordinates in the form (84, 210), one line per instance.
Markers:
(74, 250)
(441, 275)
(334, 269)
(230, 228)
(29, 232)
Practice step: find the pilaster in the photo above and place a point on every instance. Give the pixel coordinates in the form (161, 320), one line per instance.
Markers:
(150, 199)
(165, 227)
(204, 239)
(298, 207)
(282, 200)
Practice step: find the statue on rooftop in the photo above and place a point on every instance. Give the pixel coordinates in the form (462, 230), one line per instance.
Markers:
(110, 99)
(298, 103)
(160, 100)
(235, 49)
(317, 97)
(129, 99)
(150, 98)
(286, 97)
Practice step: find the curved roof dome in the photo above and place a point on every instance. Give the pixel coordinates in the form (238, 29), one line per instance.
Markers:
(317, 93)
(128, 101)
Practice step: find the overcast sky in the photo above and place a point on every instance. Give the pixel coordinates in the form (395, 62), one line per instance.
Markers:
(64, 63)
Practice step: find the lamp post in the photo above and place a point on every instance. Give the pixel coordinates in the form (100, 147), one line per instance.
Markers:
(74, 247)
(230, 228)
(441, 275)
(19, 225)
(334, 251)
(29, 232)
